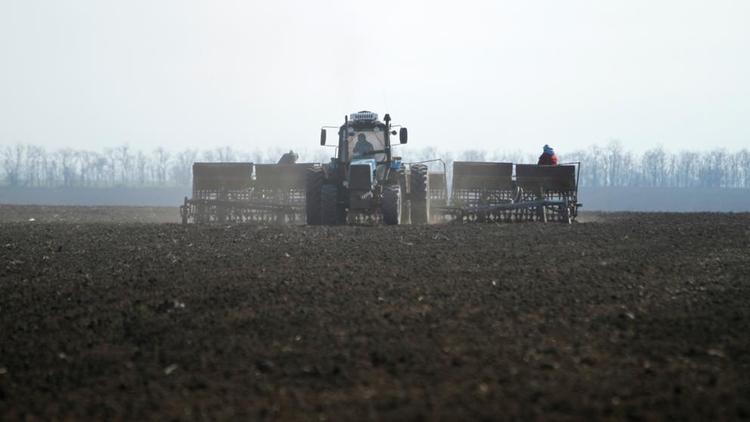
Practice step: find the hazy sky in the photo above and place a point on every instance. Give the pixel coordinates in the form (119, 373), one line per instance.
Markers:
(486, 74)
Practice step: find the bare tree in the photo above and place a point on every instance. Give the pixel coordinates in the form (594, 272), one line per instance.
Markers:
(33, 166)
(65, 158)
(208, 156)
(141, 165)
(654, 167)
(125, 161)
(743, 163)
(161, 163)
(225, 154)
(473, 155)
(182, 169)
(611, 165)
(12, 158)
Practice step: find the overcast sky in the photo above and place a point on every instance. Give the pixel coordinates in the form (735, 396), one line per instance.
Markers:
(482, 74)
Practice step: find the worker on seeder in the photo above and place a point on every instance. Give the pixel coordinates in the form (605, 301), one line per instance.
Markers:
(548, 157)
(289, 158)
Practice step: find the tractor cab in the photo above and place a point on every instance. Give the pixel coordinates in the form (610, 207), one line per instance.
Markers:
(363, 136)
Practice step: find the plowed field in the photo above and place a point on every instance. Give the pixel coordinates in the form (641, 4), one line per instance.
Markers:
(619, 316)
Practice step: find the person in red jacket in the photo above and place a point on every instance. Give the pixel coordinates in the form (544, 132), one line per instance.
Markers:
(548, 157)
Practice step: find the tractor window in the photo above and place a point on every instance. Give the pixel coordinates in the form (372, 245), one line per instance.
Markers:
(366, 144)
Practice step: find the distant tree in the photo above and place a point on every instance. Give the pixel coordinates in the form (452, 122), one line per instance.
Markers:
(654, 167)
(51, 171)
(12, 158)
(141, 168)
(473, 155)
(208, 156)
(125, 163)
(33, 166)
(65, 158)
(743, 165)
(614, 162)
(225, 154)
(182, 167)
(687, 164)
(713, 169)
(99, 167)
(610, 165)
(161, 165)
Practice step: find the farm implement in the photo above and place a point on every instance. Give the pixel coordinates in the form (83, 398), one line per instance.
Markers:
(365, 182)
(247, 192)
(507, 192)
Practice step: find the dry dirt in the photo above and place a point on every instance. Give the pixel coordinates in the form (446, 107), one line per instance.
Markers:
(642, 316)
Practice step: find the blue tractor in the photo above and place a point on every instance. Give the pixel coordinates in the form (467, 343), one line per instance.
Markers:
(364, 182)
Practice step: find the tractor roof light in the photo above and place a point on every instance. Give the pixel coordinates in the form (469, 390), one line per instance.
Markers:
(364, 116)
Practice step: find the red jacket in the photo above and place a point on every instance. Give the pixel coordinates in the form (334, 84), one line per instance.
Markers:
(548, 160)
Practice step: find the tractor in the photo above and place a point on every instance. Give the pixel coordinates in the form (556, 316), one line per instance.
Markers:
(364, 182)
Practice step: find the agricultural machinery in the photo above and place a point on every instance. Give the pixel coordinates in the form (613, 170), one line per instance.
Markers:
(364, 181)
(247, 192)
(506, 192)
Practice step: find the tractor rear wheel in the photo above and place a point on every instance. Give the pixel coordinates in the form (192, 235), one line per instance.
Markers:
(420, 194)
(403, 182)
(313, 185)
(329, 213)
(391, 205)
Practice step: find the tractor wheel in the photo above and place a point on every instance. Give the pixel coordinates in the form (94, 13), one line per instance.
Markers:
(313, 185)
(403, 181)
(391, 205)
(420, 194)
(329, 214)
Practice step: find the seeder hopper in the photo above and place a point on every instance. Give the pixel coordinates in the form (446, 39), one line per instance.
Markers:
(507, 192)
(247, 192)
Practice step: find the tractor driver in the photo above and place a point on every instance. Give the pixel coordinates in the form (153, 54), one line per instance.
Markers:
(362, 147)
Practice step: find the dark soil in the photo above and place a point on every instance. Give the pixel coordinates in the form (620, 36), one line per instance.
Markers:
(641, 316)
(80, 214)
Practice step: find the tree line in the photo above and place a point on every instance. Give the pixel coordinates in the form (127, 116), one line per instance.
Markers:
(606, 165)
